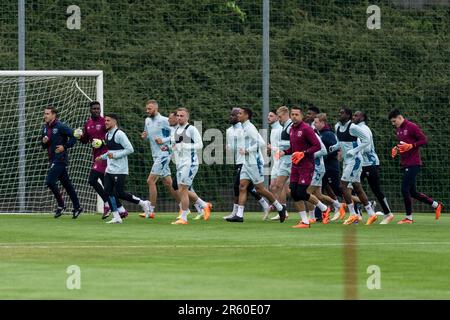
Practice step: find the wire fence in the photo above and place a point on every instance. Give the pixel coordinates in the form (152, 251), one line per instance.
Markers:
(207, 56)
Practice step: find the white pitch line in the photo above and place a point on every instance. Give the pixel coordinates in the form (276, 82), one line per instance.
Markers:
(51, 245)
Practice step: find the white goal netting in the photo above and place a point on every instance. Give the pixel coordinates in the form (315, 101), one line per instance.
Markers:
(23, 162)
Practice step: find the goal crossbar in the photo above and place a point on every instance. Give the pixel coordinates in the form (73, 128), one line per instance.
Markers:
(68, 73)
(60, 73)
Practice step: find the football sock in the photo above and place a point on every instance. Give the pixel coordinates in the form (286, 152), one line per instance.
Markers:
(351, 208)
(369, 210)
(304, 217)
(199, 208)
(264, 204)
(321, 206)
(336, 205)
(184, 214)
(240, 211)
(277, 205)
(201, 203)
(116, 215)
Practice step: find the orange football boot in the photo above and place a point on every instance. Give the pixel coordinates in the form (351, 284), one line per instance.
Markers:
(406, 221)
(180, 221)
(301, 225)
(371, 219)
(326, 216)
(207, 211)
(342, 211)
(151, 216)
(438, 210)
(353, 218)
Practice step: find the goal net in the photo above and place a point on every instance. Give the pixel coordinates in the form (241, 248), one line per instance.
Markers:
(23, 162)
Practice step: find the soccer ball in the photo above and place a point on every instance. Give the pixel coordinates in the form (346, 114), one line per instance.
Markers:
(96, 143)
(78, 133)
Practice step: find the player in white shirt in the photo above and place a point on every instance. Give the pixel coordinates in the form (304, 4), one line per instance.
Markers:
(250, 146)
(234, 133)
(371, 167)
(316, 183)
(272, 146)
(185, 141)
(352, 140)
(203, 208)
(119, 147)
(157, 131)
(280, 187)
(311, 112)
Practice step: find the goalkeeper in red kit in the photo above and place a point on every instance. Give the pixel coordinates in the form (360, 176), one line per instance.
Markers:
(410, 138)
(94, 130)
(304, 143)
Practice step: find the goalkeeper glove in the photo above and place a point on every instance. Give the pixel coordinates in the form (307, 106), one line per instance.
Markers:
(97, 143)
(297, 157)
(404, 147)
(77, 133)
(394, 152)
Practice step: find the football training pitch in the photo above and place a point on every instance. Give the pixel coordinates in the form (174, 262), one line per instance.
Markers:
(152, 259)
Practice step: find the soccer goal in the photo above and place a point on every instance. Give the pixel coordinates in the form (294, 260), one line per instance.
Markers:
(23, 162)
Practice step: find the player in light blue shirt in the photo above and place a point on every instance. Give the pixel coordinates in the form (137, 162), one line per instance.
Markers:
(282, 142)
(315, 187)
(371, 167)
(272, 146)
(185, 141)
(157, 131)
(234, 136)
(352, 140)
(203, 208)
(252, 168)
(119, 147)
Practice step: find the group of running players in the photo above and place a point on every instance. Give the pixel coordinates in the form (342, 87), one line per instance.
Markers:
(305, 155)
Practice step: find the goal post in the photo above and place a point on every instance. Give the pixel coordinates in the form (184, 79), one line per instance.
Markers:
(23, 96)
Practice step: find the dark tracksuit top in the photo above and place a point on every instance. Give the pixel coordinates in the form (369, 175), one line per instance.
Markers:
(58, 133)
(329, 139)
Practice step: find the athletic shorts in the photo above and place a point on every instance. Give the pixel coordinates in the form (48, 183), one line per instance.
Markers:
(161, 166)
(274, 170)
(186, 174)
(317, 178)
(301, 176)
(284, 168)
(175, 185)
(352, 171)
(252, 172)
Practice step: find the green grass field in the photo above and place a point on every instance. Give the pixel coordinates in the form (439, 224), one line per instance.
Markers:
(152, 259)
